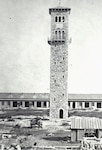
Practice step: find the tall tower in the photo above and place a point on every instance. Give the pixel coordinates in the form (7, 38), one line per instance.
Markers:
(59, 63)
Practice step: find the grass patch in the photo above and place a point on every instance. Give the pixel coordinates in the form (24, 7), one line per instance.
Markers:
(85, 113)
(58, 138)
(23, 112)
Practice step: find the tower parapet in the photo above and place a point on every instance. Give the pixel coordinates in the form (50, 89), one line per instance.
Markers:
(59, 9)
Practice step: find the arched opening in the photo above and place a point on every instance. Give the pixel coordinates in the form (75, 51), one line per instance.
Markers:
(63, 19)
(55, 34)
(59, 19)
(63, 35)
(56, 19)
(61, 113)
(59, 34)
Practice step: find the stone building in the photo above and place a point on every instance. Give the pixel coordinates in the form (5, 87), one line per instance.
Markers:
(59, 63)
(42, 101)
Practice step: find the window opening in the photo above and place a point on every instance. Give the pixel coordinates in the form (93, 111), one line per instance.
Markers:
(38, 104)
(26, 104)
(59, 19)
(59, 34)
(63, 35)
(98, 105)
(86, 104)
(15, 104)
(55, 34)
(56, 19)
(63, 18)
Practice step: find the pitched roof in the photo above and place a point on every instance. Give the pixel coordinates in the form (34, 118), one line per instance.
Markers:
(86, 123)
(71, 97)
(24, 95)
(84, 96)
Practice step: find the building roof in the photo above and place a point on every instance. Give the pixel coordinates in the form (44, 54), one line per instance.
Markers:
(46, 96)
(86, 123)
(80, 97)
(24, 95)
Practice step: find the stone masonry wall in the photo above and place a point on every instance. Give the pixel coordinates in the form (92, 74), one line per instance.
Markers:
(59, 69)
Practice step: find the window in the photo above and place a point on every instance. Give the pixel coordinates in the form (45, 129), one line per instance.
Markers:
(59, 19)
(63, 58)
(69, 104)
(38, 104)
(44, 104)
(98, 105)
(86, 104)
(73, 105)
(63, 94)
(63, 76)
(63, 35)
(15, 104)
(27, 104)
(55, 81)
(55, 34)
(54, 99)
(59, 34)
(56, 19)
(63, 18)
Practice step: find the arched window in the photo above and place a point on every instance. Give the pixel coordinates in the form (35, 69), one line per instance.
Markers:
(59, 34)
(59, 19)
(63, 18)
(56, 19)
(55, 34)
(61, 113)
(63, 35)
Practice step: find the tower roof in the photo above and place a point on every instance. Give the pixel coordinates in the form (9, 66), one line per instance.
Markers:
(59, 9)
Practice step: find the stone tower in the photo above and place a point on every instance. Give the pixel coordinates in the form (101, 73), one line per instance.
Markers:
(59, 63)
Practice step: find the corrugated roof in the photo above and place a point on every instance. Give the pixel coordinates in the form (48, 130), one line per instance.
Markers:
(86, 123)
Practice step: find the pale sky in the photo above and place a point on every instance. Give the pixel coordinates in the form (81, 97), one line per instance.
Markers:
(25, 53)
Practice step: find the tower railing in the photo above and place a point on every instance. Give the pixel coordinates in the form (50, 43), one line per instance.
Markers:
(53, 41)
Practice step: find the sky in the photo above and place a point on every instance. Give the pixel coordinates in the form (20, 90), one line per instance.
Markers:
(25, 53)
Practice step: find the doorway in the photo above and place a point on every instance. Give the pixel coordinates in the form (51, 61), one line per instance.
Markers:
(61, 113)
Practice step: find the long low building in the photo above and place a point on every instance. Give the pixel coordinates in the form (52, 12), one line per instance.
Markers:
(42, 100)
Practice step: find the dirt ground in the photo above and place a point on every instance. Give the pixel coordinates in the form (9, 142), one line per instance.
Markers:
(28, 137)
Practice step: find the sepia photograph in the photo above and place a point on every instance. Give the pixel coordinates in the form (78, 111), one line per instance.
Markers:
(50, 75)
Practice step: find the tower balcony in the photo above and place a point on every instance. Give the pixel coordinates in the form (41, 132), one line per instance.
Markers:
(56, 41)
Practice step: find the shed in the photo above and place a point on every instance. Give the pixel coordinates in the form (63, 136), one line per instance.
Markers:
(85, 127)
